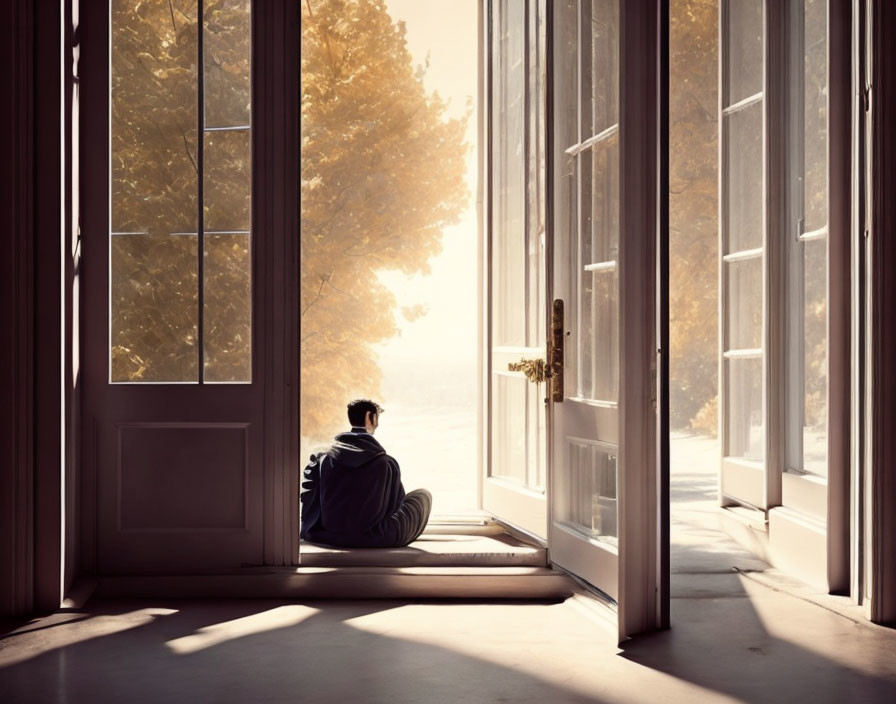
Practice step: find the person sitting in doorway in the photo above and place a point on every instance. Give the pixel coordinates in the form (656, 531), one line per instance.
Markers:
(352, 494)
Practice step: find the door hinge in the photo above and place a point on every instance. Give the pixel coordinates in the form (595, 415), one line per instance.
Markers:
(555, 351)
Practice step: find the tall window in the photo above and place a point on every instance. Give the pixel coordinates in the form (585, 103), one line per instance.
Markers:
(180, 255)
(774, 247)
(742, 235)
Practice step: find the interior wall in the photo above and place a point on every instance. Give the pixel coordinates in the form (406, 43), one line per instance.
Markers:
(30, 309)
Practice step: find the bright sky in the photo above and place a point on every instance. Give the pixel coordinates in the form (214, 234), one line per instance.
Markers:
(446, 30)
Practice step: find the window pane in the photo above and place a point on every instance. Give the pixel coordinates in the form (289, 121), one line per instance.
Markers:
(815, 118)
(815, 356)
(509, 187)
(604, 48)
(743, 162)
(228, 308)
(226, 45)
(744, 300)
(591, 503)
(745, 436)
(154, 303)
(808, 266)
(743, 45)
(154, 191)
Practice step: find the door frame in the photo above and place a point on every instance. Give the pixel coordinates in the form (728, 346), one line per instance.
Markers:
(879, 216)
(643, 62)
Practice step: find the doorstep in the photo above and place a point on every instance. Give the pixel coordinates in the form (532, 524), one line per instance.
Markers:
(490, 546)
(472, 562)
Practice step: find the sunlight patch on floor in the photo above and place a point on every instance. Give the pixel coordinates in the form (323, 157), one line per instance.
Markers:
(74, 631)
(209, 636)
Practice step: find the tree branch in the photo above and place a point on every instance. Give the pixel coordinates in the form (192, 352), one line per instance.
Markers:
(173, 23)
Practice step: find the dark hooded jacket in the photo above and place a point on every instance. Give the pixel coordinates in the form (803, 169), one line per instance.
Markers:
(349, 493)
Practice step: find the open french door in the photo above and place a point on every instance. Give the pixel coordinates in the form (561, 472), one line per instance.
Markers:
(570, 378)
(514, 467)
(603, 487)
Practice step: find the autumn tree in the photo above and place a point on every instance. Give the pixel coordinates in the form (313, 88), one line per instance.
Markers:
(693, 213)
(382, 173)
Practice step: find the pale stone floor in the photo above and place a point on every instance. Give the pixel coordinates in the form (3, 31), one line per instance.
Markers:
(748, 635)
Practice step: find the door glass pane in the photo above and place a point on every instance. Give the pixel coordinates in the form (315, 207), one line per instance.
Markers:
(743, 169)
(591, 504)
(153, 308)
(535, 185)
(745, 436)
(597, 354)
(227, 191)
(508, 416)
(599, 329)
(743, 49)
(158, 236)
(228, 309)
(227, 181)
(509, 175)
(744, 302)
(604, 45)
(154, 192)
(603, 244)
(226, 57)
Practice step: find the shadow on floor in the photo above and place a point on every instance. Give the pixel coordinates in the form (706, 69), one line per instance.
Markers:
(757, 645)
(249, 651)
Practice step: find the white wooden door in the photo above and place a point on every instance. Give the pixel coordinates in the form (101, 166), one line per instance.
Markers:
(513, 482)
(603, 488)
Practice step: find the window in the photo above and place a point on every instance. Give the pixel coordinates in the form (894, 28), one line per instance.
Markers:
(807, 239)
(742, 248)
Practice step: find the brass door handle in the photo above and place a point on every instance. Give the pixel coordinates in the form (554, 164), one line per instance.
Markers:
(534, 369)
(539, 370)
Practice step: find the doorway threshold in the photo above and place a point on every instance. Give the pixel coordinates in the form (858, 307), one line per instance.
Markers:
(443, 544)
(478, 563)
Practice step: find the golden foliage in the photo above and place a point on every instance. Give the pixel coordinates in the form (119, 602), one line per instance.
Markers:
(382, 172)
(693, 208)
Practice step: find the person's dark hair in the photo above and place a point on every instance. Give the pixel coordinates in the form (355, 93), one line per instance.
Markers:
(359, 408)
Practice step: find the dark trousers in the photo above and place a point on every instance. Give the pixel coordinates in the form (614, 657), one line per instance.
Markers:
(401, 528)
